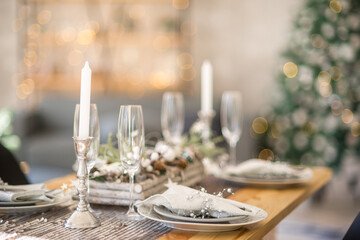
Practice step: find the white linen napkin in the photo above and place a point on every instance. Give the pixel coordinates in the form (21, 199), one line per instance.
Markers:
(30, 192)
(183, 200)
(267, 169)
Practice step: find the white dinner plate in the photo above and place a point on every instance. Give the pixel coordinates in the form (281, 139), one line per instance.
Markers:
(161, 210)
(148, 212)
(306, 175)
(39, 207)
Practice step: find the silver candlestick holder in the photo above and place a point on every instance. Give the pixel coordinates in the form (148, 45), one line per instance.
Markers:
(82, 217)
(206, 118)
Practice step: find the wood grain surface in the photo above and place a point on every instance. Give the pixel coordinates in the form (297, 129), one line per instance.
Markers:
(278, 203)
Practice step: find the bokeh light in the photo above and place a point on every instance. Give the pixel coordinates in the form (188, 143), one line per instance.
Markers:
(161, 80)
(44, 17)
(266, 154)
(188, 74)
(180, 4)
(33, 31)
(260, 125)
(335, 6)
(325, 90)
(324, 78)
(336, 73)
(336, 107)
(355, 129)
(290, 69)
(85, 37)
(347, 116)
(185, 60)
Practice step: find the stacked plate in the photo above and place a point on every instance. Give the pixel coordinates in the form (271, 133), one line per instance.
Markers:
(29, 207)
(162, 214)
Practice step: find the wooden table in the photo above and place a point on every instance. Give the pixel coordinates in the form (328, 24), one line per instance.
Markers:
(278, 203)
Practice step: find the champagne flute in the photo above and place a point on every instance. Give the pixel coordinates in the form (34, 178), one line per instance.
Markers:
(94, 132)
(231, 120)
(172, 117)
(131, 146)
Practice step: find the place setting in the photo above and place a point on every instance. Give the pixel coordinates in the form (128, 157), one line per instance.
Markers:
(29, 199)
(188, 209)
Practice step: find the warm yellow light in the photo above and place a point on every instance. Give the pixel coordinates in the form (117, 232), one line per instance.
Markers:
(161, 80)
(185, 60)
(44, 17)
(325, 90)
(68, 34)
(137, 12)
(347, 116)
(20, 94)
(93, 25)
(161, 42)
(317, 41)
(188, 74)
(290, 69)
(275, 130)
(336, 73)
(85, 37)
(335, 6)
(355, 129)
(336, 107)
(180, 4)
(324, 78)
(33, 31)
(75, 57)
(30, 85)
(260, 125)
(266, 154)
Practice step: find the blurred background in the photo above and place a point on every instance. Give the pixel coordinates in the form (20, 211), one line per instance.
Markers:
(294, 62)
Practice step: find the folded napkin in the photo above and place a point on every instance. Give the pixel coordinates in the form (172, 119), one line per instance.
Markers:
(30, 192)
(186, 201)
(257, 168)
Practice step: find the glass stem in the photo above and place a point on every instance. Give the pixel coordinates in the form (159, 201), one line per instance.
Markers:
(131, 203)
(233, 153)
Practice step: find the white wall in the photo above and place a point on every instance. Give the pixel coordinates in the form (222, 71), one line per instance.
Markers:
(243, 40)
(7, 54)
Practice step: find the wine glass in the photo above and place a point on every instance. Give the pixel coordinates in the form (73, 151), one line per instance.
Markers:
(131, 146)
(172, 117)
(231, 120)
(94, 132)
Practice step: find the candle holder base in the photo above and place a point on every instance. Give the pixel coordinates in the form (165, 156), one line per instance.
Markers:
(82, 217)
(82, 220)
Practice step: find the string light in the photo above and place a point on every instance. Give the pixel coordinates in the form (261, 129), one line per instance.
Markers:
(266, 154)
(260, 125)
(180, 4)
(290, 69)
(335, 6)
(347, 116)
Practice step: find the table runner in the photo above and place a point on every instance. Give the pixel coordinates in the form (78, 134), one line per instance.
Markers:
(49, 225)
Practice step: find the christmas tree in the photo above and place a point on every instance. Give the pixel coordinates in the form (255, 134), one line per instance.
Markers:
(315, 115)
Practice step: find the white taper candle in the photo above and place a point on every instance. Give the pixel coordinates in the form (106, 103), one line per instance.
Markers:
(206, 87)
(85, 92)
